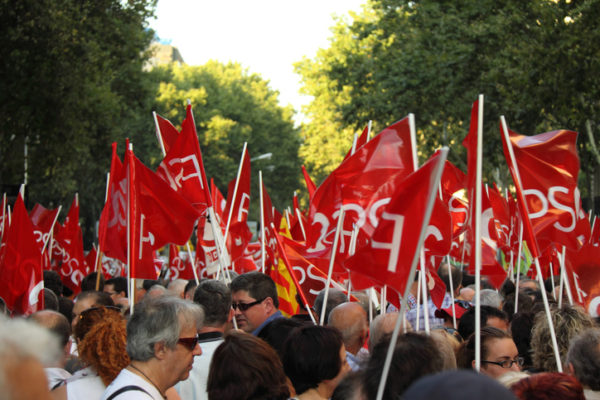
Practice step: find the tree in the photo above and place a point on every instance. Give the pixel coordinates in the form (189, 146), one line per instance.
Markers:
(71, 83)
(536, 63)
(232, 106)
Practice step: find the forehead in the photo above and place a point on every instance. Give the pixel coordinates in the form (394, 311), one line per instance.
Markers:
(242, 295)
(502, 348)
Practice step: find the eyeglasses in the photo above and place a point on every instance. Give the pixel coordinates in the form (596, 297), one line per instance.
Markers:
(245, 306)
(507, 363)
(189, 342)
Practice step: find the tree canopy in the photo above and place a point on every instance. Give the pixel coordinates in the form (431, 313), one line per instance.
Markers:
(71, 83)
(536, 62)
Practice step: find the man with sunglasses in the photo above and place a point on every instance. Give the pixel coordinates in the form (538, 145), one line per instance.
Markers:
(255, 301)
(162, 341)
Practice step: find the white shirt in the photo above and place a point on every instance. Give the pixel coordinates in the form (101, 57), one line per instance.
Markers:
(85, 384)
(194, 387)
(128, 378)
(56, 376)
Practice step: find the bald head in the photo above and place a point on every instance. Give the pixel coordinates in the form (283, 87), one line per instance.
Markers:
(351, 320)
(177, 287)
(55, 322)
(384, 325)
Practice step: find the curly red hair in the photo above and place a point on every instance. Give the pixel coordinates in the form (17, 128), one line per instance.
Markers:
(104, 347)
(547, 386)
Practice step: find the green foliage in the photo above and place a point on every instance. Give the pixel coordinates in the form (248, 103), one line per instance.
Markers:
(536, 62)
(71, 83)
(232, 106)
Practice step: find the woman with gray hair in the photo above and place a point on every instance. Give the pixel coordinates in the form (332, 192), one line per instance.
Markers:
(162, 340)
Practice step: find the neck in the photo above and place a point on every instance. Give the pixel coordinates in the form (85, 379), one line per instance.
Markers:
(313, 394)
(146, 372)
(208, 329)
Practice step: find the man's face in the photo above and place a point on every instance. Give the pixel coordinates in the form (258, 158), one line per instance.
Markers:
(181, 358)
(255, 315)
(79, 307)
(499, 350)
(110, 289)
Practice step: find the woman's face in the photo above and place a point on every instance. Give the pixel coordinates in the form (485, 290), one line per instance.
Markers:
(499, 350)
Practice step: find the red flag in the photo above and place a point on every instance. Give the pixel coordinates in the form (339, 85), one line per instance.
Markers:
(310, 185)
(583, 269)
(180, 265)
(90, 260)
(70, 241)
(159, 216)
(22, 281)
(549, 166)
(363, 184)
(207, 260)
(269, 218)
(42, 219)
(166, 132)
(112, 227)
(236, 210)
(183, 168)
(388, 255)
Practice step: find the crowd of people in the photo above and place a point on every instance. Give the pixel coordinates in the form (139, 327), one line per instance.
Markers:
(217, 340)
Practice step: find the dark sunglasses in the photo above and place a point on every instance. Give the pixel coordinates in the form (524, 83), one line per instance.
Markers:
(245, 306)
(189, 342)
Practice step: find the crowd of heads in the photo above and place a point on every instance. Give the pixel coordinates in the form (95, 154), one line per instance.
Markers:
(228, 340)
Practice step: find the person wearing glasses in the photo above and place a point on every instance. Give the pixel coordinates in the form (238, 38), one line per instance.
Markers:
(162, 341)
(255, 301)
(215, 299)
(499, 353)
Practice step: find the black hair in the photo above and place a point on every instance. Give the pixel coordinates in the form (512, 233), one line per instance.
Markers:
(258, 286)
(466, 324)
(312, 355)
(215, 298)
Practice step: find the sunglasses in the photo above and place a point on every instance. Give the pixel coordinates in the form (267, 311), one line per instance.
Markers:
(245, 306)
(189, 342)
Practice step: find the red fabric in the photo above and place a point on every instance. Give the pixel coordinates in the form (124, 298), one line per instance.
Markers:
(549, 166)
(42, 220)
(388, 255)
(583, 269)
(363, 184)
(112, 227)
(207, 261)
(159, 215)
(595, 234)
(239, 234)
(69, 240)
(269, 218)
(183, 167)
(180, 266)
(310, 185)
(167, 132)
(22, 281)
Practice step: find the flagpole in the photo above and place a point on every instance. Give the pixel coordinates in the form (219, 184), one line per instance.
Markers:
(477, 242)
(519, 268)
(369, 126)
(411, 275)
(51, 229)
(263, 257)
(517, 177)
(450, 281)
(129, 231)
(331, 263)
(418, 316)
(563, 268)
(193, 262)
(158, 134)
(301, 223)
(4, 213)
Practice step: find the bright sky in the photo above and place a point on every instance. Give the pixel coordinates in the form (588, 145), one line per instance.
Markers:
(265, 36)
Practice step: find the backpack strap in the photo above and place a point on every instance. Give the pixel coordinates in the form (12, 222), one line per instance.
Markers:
(127, 389)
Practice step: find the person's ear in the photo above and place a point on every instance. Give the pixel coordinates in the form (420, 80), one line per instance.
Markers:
(269, 304)
(570, 370)
(230, 315)
(160, 350)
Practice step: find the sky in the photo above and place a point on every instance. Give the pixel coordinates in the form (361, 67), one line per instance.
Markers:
(265, 36)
